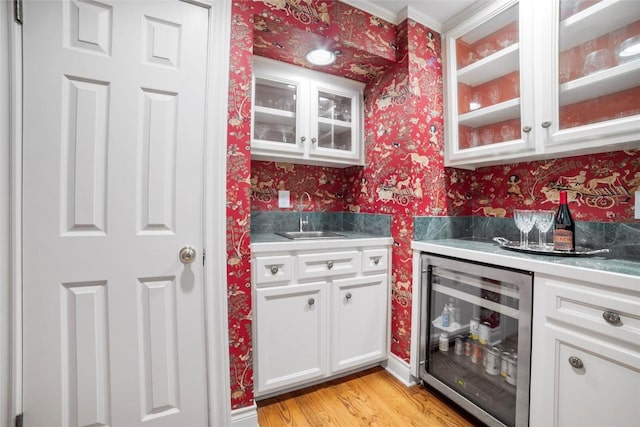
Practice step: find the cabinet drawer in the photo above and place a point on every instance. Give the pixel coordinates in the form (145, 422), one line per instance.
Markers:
(272, 269)
(612, 315)
(375, 260)
(328, 264)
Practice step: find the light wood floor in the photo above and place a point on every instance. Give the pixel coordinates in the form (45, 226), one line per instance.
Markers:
(370, 398)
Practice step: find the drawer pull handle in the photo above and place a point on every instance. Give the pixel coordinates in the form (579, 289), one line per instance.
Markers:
(611, 317)
(311, 301)
(376, 260)
(329, 265)
(348, 296)
(576, 362)
(274, 269)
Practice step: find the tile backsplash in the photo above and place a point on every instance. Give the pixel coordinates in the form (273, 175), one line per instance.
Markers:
(272, 221)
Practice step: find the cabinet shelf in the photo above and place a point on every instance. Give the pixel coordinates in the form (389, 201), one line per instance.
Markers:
(595, 21)
(274, 116)
(336, 123)
(493, 114)
(472, 299)
(493, 66)
(605, 82)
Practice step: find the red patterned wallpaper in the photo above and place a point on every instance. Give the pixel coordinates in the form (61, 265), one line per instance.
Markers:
(600, 186)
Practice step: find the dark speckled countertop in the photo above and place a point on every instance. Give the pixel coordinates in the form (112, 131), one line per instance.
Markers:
(592, 268)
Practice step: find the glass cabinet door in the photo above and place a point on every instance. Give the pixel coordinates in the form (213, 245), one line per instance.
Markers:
(275, 112)
(485, 96)
(334, 122)
(598, 61)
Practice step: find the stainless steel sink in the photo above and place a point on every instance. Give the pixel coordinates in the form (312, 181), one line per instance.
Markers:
(300, 235)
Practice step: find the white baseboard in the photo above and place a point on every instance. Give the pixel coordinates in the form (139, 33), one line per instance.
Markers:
(245, 417)
(400, 369)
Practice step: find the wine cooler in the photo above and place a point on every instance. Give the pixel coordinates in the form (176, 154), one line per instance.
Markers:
(475, 337)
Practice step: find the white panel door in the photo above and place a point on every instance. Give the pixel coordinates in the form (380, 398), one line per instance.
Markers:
(114, 97)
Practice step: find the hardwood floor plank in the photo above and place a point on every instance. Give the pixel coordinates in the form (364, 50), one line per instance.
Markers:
(373, 398)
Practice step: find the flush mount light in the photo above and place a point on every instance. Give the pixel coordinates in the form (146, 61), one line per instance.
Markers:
(321, 57)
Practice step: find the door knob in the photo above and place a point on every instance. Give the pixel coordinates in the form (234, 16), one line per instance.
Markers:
(187, 255)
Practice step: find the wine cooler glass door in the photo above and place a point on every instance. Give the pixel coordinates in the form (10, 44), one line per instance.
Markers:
(477, 337)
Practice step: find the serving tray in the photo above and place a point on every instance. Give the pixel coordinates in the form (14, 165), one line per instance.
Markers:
(535, 249)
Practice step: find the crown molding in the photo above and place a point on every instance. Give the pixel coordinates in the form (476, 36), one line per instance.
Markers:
(375, 10)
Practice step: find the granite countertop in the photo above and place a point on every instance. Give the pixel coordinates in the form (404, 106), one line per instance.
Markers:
(271, 241)
(597, 268)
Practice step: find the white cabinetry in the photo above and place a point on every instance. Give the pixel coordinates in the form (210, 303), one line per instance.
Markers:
(521, 85)
(304, 116)
(586, 364)
(325, 316)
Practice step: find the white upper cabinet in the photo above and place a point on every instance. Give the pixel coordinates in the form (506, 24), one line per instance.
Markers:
(304, 116)
(529, 79)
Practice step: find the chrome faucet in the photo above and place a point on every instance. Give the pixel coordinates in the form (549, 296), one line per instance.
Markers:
(303, 221)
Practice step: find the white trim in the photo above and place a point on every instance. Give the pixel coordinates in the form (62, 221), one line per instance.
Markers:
(423, 19)
(373, 9)
(400, 369)
(215, 214)
(5, 222)
(15, 205)
(245, 417)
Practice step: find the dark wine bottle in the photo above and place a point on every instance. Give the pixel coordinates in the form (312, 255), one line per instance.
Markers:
(564, 230)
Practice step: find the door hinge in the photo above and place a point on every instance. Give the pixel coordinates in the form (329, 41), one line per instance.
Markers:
(18, 10)
(19, 420)
(204, 256)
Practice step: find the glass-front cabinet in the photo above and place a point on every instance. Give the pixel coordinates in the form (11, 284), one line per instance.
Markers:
(528, 79)
(595, 86)
(303, 116)
(488, 101)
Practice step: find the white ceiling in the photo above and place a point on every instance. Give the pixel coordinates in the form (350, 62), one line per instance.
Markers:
(432, 13)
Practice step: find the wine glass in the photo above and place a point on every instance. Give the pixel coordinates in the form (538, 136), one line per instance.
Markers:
(544, 221)
(525, 221)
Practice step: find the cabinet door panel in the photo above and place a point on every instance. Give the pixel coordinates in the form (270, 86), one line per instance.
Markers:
(291, 335)
(603, 392)
(359, 321)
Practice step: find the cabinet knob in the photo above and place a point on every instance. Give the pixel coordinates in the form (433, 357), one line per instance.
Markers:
(546, 124)
(329, 265)
(526, 129)
(376, 260)
(274, 269)
(348, 296)
(311, 301)
(303, 138)
(576, 362)
(611, 317)
(313, 140)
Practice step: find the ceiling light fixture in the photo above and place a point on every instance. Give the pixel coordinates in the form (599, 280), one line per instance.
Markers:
(321, 57)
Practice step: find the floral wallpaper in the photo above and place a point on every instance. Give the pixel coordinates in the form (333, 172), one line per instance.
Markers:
(238, 207)
(404, 174)
(600, 187)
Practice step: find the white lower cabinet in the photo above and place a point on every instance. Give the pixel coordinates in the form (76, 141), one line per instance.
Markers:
(327, 316)
(358, 321)
(586, 354)
(291, 334)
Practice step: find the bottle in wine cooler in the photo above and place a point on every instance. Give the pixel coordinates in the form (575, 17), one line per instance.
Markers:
(564, 236)
(446, 316)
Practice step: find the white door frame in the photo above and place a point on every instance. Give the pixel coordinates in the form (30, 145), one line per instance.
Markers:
(215, 214)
